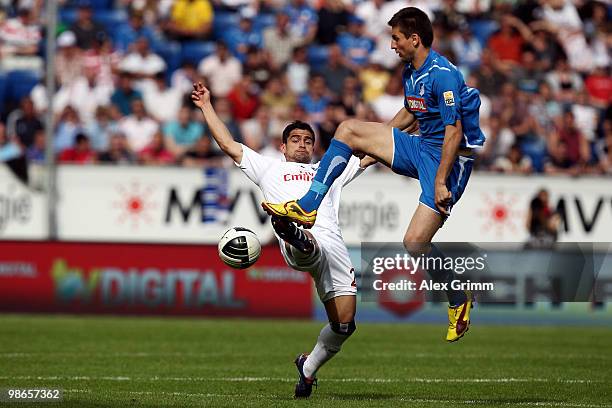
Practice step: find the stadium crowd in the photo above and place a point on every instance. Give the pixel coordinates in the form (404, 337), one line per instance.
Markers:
(125, 68)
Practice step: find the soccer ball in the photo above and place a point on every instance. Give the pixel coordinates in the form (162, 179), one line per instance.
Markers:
(239, 247)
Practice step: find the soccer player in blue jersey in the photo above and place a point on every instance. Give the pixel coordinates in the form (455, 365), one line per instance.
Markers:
(441, 157)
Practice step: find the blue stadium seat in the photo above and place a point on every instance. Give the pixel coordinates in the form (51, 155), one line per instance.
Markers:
(20, 84)
(67, 16)
(317, 55)
(94, 4)
(483, 29)
(195, 51)
(171, 53)
(263, 21)
(110, 19)
(3, 82)
(223, 21)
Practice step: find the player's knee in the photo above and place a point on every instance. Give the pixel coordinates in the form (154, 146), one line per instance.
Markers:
(415, 243)
(345, 329)
(346, 132)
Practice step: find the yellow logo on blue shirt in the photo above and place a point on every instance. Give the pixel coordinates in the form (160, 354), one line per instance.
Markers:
(449, 99)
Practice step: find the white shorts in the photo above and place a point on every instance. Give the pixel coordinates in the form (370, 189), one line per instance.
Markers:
(330, 266)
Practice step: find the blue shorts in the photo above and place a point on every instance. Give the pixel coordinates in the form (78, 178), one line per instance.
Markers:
(414, 157)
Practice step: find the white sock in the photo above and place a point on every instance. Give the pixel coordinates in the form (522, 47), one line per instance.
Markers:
(328, 344)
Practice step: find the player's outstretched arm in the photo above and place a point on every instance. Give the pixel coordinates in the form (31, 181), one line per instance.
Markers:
(201, 98)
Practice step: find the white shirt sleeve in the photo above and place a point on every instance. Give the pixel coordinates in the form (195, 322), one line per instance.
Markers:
(351, 172)
(254, 165)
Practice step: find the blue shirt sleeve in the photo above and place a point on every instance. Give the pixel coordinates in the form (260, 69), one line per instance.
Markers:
(446, 94)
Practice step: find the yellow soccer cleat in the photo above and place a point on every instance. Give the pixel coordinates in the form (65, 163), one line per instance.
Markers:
(459, 319)
(292, 211)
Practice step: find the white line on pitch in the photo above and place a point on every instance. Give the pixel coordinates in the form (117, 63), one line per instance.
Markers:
(282, 379)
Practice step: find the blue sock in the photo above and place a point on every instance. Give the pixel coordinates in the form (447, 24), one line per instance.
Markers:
(455, 297)
(332, 164)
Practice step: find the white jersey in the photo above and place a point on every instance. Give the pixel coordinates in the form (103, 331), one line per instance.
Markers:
(282, 181)
(330, 266)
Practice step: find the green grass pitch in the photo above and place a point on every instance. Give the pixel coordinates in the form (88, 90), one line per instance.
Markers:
(151, 362)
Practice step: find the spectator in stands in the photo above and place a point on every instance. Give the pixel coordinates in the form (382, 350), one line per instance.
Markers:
(257, 130)
(125, 93)
(373, 79)
(546, 47)
(298, 71)
(350, 97)
(162, 102)
(333, 116)
(239, 39)
(223, 107)
(355, 46)
(69, 59)
(104, 58)
(142, 63)
(569, 150)
(604, 151)
(118, 151)
(22, 124)
(258, 66)
(278, 98)
(101, 128)
(85, 29)
(542, 221)
(156, 153)
(303, 19)
(488, 77)
(80, 153)
(585, 116)
(138, 127)
(599, 86)
(336, 70)
(499, 140)
(85, 94)
(9, 148)
(201, 154)
(222, 70)
(19, 38)
(36, 152)
(564, 82)
(333, 17)
(466, 48)
(515, 162)
(190, 20)
(280, 42)
(183, 132)
(527, 76)
(507, 44)
(244, 98)
(316, 99)
(385, 105)
(68, 127)
(127, 33)
(184, 77)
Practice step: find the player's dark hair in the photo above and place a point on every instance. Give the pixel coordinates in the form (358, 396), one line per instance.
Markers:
(412, 20)
(297, 124)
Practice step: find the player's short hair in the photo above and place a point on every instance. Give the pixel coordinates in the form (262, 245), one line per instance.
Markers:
(297, 124)
(412, 20)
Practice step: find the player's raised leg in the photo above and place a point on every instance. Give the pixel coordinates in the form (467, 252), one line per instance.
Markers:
(341, 314)
(371, 138)
(423, 226)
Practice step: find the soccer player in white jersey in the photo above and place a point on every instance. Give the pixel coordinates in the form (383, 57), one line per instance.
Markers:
(320, 251)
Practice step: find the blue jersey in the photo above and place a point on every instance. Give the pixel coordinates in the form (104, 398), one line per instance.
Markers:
(437, 95)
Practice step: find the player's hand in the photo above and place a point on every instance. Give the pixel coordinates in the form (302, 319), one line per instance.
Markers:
(442, 198)
(200, 95)
(366, 161)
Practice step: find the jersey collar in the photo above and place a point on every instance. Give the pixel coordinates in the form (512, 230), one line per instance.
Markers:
(427, 63)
